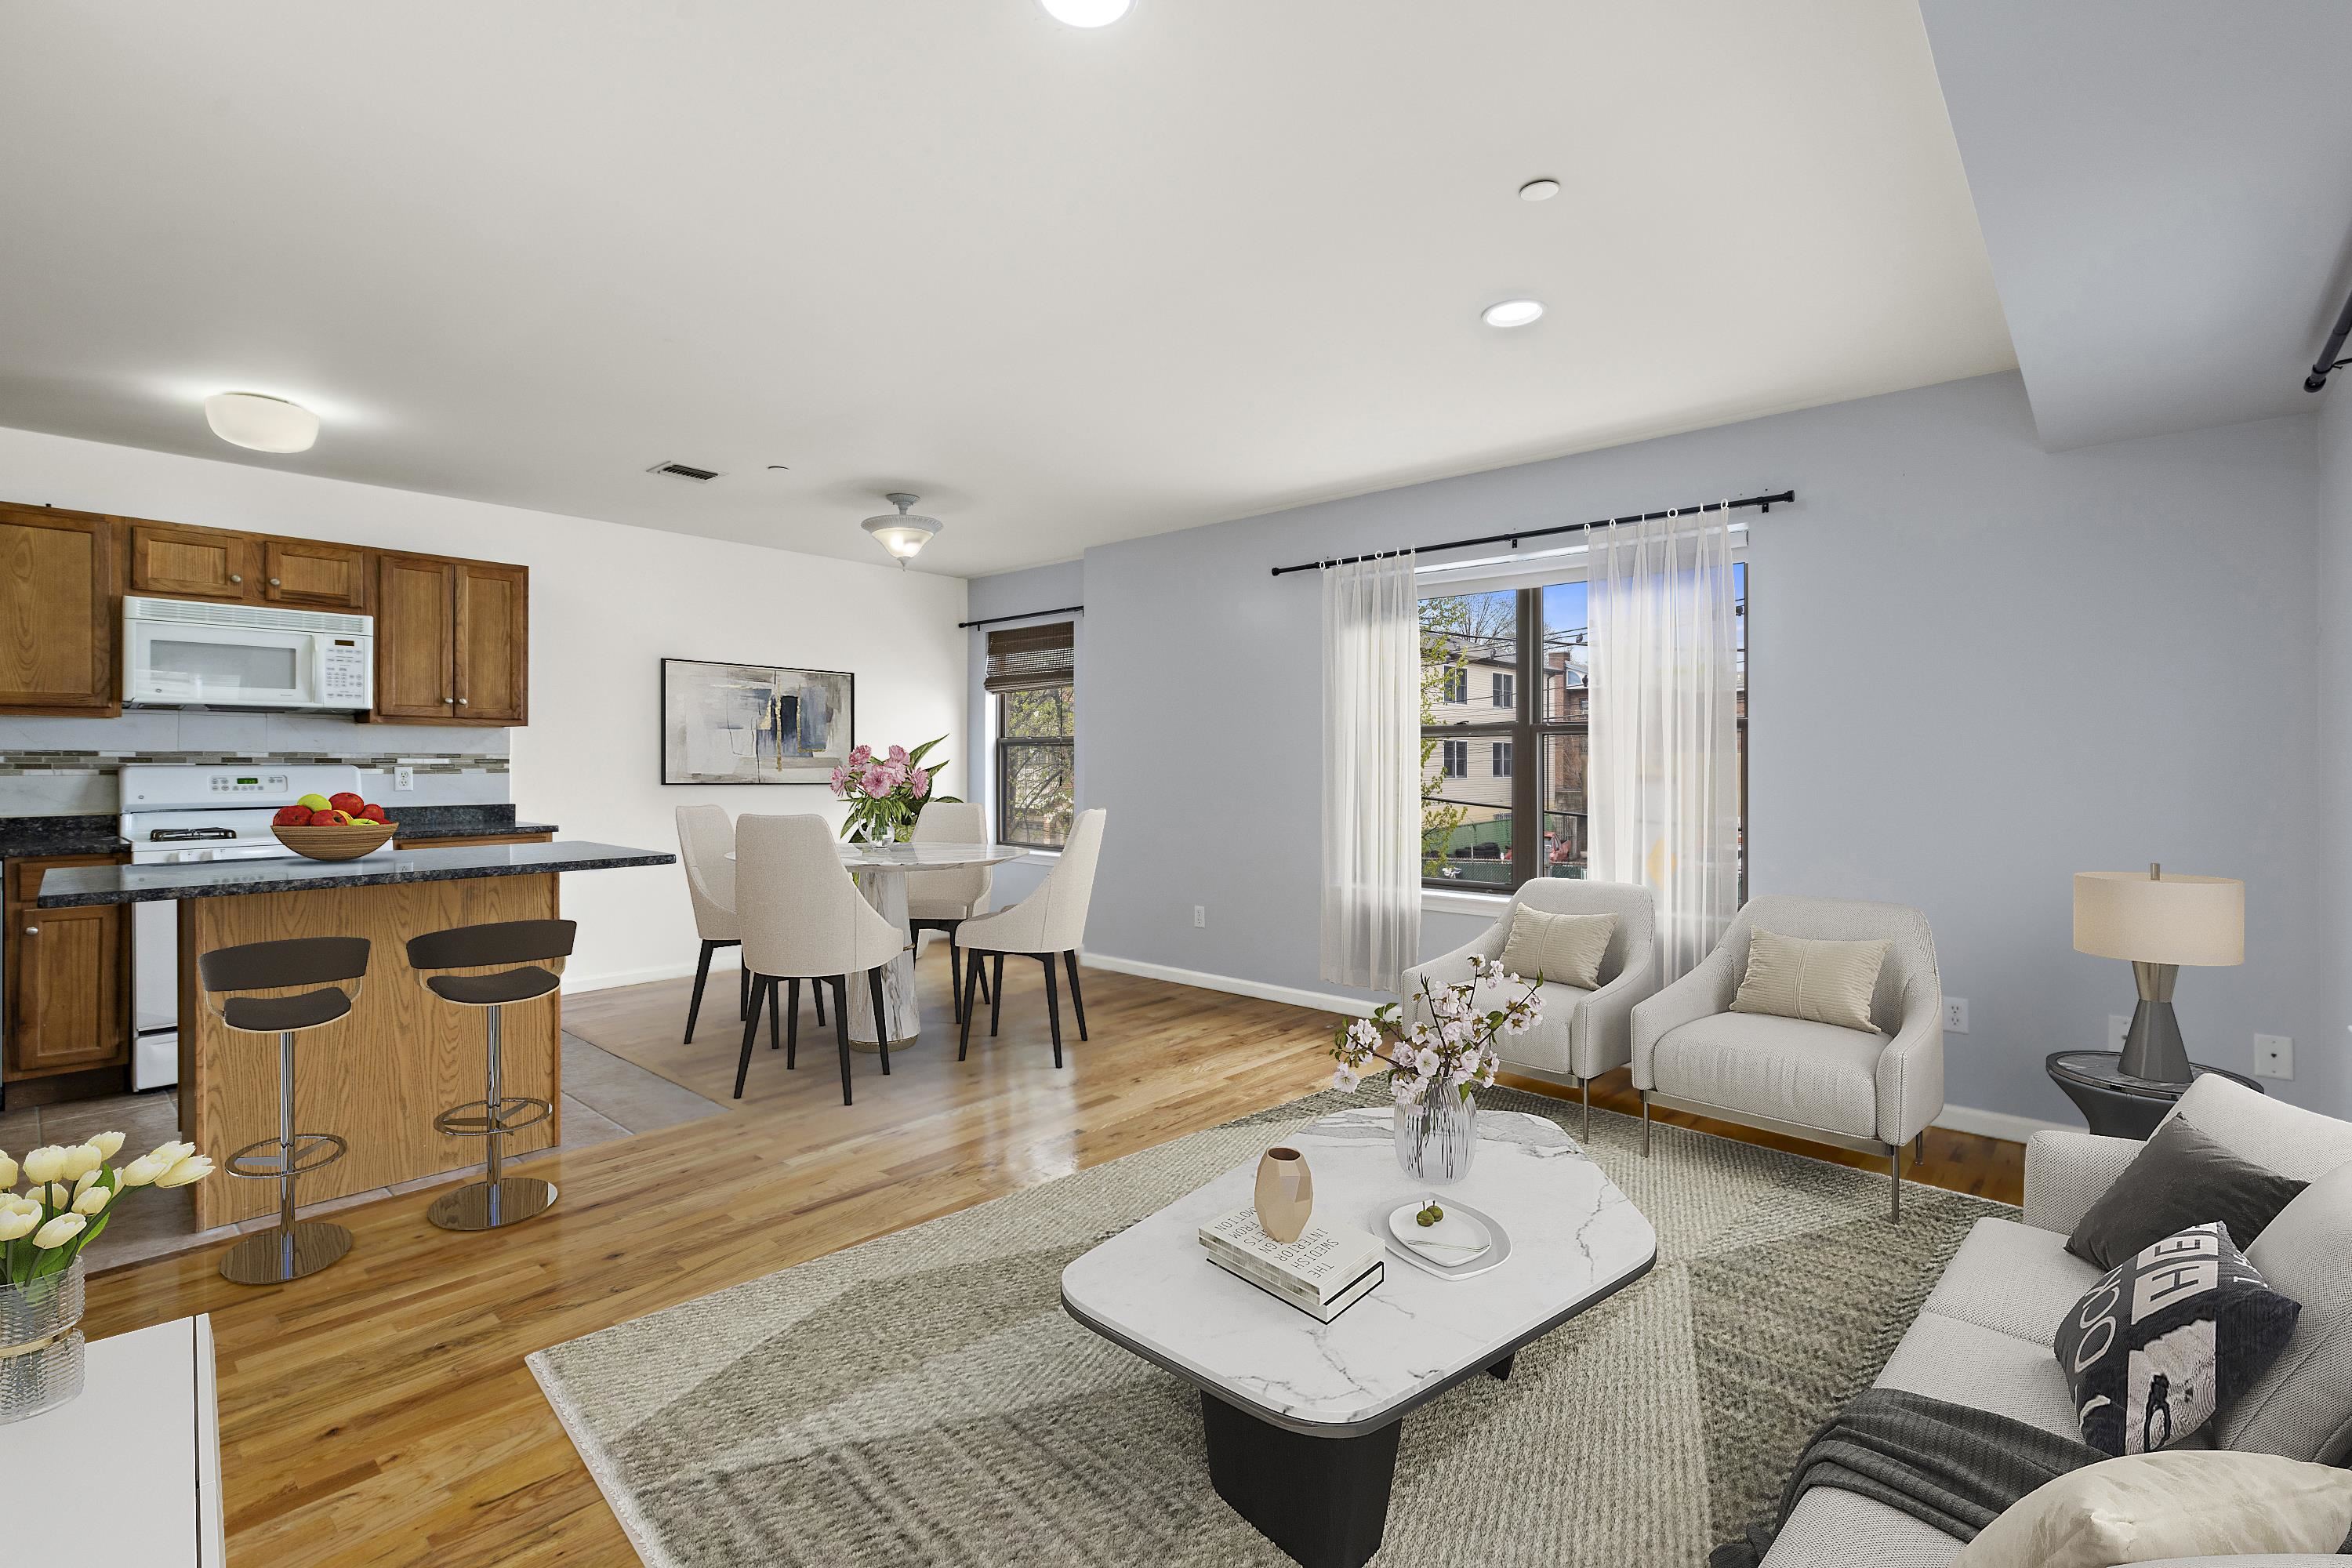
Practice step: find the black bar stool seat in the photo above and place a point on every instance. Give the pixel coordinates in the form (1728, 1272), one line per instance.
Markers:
(292, 1247)
(532, 946)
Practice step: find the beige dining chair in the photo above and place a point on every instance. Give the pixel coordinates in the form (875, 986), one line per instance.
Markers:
(803, 919)
(943, 900)
(1048, 925)
(706, 843)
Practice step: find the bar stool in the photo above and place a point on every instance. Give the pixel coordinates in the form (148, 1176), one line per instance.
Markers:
(291, 1248)
(498, 1200)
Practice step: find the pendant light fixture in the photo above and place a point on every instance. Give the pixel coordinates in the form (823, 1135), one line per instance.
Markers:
(902, 533)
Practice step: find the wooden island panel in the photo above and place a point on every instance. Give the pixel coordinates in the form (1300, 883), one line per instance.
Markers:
(378, 1076)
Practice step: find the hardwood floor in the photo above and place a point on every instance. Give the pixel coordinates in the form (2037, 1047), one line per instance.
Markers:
(380, 1412)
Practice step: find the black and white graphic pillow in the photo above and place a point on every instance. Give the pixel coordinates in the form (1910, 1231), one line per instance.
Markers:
(2168, 1337)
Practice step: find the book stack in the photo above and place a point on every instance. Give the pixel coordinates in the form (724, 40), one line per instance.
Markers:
(1326, 1270)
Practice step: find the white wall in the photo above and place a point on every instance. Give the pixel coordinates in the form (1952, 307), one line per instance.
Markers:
(1977, 668)
(607, 604)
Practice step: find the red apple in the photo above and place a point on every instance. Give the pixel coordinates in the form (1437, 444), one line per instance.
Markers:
(292, 816)
(329, 818)
(373, 813)
(346, 801)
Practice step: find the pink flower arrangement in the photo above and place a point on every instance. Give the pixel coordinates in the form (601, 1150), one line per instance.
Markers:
(886, 793)
(1456, 1051)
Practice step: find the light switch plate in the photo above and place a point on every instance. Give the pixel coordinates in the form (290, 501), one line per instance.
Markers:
(2274, 1057)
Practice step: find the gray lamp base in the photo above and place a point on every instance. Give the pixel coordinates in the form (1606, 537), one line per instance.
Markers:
(2153, 1048)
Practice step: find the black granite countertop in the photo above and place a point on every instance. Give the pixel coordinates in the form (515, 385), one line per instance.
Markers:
(69, 886)
(461, 821)
(32, 836)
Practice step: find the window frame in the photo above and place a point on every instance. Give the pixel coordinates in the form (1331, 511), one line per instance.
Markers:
(1005, 744)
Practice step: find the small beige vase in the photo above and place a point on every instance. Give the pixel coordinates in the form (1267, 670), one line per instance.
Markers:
(1286, 1193)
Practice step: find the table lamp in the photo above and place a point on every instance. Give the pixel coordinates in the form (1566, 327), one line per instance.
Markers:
(2159, 924)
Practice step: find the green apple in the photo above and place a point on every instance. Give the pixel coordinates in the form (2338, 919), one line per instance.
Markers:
(316, 803)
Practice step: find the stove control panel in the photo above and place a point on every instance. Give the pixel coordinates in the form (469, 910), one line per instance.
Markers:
(232, 784)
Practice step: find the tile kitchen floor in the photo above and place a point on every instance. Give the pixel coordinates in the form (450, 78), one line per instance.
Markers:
(604, 1098)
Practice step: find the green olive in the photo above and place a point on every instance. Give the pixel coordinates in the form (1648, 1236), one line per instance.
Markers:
(1429, 1215)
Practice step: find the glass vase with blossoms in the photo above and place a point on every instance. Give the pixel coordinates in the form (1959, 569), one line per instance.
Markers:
(71, 1194)
(1437, 1065)
(885, 792)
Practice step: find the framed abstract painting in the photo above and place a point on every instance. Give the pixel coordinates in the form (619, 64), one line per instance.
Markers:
(754, 723)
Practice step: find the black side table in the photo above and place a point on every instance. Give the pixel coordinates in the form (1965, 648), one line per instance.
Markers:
(2115, 1104)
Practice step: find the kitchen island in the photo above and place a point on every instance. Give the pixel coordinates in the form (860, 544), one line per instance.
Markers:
(379, 1076)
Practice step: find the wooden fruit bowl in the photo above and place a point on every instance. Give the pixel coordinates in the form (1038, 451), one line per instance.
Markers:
(336, 843)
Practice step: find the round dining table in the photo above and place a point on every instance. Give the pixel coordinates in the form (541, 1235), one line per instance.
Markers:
(880, 871)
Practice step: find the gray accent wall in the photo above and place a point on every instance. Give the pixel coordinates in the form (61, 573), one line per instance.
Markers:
(1978, 666)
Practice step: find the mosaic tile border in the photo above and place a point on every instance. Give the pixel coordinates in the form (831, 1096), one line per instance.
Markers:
(23, 764)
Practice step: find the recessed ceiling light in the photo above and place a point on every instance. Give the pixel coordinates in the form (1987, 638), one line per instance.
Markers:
(1539, 190)
(263, 423)
(1511, 313)
(1087, 12)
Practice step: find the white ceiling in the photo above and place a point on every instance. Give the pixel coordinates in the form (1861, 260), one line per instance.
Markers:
(2166, 186)
(1070, 286)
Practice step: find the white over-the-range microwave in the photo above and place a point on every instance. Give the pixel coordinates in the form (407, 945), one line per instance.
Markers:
(183, 653)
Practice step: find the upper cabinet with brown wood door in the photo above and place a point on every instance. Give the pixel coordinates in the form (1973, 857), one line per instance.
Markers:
(56, 612)
(452, 641)
(327, 576)
(176, 563)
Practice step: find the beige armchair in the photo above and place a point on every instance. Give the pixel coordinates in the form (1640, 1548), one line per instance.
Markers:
(1872, 1092)
(1581, 1034)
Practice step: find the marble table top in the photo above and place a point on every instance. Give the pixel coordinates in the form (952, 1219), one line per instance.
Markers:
(922, 857)
(1575, 1239)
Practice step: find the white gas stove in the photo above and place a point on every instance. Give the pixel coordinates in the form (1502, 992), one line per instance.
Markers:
(172, 814)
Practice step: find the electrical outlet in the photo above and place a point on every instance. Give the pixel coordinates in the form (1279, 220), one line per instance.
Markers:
(2118, 1027)
(1956, 1015)
(2274, 1057)
(404, 778)
(1199, 916)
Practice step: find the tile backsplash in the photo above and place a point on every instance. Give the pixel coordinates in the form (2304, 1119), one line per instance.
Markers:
(51, 767)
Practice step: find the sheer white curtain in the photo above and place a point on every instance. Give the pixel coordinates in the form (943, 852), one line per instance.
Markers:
(1371, 772)
(1666, 781)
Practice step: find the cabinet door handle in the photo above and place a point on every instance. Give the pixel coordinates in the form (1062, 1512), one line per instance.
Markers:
(237, 576)
(32, 931)
(462, 703)
(275, 582)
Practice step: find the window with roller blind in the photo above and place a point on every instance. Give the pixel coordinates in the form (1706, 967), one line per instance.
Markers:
(1031, 682)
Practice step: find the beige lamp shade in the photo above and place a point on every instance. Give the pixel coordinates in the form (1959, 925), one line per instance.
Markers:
(2160, 920)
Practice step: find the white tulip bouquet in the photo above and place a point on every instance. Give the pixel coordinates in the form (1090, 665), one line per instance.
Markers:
(1457, 1051)
(71, 1197)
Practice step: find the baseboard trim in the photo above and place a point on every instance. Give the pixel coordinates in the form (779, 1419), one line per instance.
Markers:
(579, 985)
(1996, 1123)
(1264, 991)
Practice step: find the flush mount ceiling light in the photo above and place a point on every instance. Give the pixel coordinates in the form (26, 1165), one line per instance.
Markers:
(263, 423)
(1539, 190)
(902, 533)
(1511, 313)
(1087, 12)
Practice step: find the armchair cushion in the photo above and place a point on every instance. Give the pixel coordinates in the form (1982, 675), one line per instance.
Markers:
(1791, 1069)
(1561, 948)
(1798, 977)
(1550, 1046)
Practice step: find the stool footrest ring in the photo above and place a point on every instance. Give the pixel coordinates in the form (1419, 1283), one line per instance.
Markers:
(309, 1152)
(483, 1118)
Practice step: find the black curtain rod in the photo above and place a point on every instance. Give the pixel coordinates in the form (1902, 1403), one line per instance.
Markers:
(1766, 502)
(2327, 362)
(1065, 610)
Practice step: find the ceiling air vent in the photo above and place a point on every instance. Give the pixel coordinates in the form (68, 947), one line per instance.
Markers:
(684, 471)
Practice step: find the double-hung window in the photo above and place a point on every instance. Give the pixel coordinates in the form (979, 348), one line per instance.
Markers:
(1485, 822)
(1033, 685)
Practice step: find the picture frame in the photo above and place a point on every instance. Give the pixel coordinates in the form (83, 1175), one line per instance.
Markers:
(751, 723)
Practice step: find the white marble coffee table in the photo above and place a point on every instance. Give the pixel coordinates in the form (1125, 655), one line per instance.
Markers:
(1302, 1417)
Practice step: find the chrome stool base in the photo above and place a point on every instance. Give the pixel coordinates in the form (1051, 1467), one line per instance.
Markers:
(284, 1252)
(492, 1206)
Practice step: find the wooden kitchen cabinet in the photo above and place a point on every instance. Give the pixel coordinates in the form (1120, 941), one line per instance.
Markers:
(56, 612)
(175, 562)
(67, 978)
(324, 576)
(452, 641)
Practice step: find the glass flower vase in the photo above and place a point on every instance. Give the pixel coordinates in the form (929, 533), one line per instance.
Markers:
(1438, 1139)
(40, 1343)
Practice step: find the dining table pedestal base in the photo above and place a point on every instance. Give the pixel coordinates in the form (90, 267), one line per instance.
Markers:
(886, 891)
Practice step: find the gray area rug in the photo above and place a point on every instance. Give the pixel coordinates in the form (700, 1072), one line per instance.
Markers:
(924, 1399)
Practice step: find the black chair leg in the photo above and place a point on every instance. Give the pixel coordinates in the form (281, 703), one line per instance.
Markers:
(775, 1007)
(792, 1023)
(743, 991)
(694, 1007)
(1053, 1004)
(817, 989)
(750, 1034)
(841, 1029)
(881, 1018)
(970, 1003)
(955, 976)
(995, 1003)
(987, 994)
(1077, 1003)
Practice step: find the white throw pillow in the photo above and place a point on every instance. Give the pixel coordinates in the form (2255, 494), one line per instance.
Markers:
(2302, 1407)
(1801, 977)
(1566, 950)
(2184, 1502)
